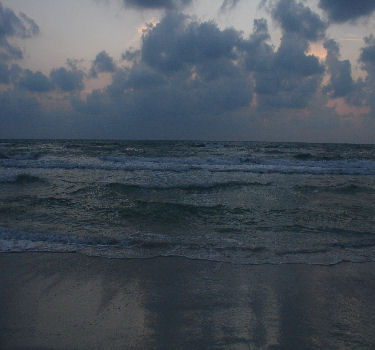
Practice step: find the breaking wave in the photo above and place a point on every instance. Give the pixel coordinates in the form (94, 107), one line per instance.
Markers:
(222, 250)
(184, 164)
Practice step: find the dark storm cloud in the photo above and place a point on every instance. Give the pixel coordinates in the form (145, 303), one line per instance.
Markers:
(175, 43)
(287, 77)
(12, 25)
(10, 74)
(141, 76)
(35, 81)
(186, 73)
(191, 79)
(67, 80)
(19, 114)
(193, 66)
(19, 111)
(341, 82)
(294, 17)
(4, 74)
(367, 56)
(367, 59)
(285, 91)
(291, 57)
(259, 53)
(158, 4)
(347, 10)
(23, 116)
(131, 55)
(18, 26)
(102, 63)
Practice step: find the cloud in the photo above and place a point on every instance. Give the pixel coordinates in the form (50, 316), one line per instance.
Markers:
(102, 63)
(340, 11)
(30, 28)
(296, 18)
(259, 53)
(193, 79)
(367, 56)
(228, 5)
(131, 55)
(186, 74)
(4, 74)
(12, 25)
(67, 80)
(190, 75)
(287, 77)
(36, 82)
(177, 42)
(157, 4)
(291, 57)
(367, 59)
(19, 114)
(360, 93)
(142, 77)
(341, 82)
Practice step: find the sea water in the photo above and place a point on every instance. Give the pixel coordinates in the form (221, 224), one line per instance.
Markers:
(240, 202)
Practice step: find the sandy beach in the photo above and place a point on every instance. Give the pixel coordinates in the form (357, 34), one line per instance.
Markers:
(71, 301)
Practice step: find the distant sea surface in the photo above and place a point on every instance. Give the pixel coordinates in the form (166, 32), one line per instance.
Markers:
(240, 202)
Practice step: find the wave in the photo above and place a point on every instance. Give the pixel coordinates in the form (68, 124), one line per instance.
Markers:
(204, 187)
(364, 243)
(349, 189)
(338, 189)
(22, 179)
(303, 156)
(318, 157)
(199, 145)
(273, 151)
(210, 164)
(21, 156)
(3, 156)
(170, 212)
(67, 239)
(223, 250)
(302, 251)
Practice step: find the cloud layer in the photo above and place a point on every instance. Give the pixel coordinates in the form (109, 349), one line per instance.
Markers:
(188, 75)
(193, 79)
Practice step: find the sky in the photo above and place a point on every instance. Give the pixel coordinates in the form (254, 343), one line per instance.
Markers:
(262, 70)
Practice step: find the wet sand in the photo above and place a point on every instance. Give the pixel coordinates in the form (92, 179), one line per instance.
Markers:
(70, 301)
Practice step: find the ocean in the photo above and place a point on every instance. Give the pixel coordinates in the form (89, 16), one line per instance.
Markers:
(238, 202)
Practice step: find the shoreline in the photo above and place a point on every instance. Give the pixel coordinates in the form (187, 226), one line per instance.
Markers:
(69, 300)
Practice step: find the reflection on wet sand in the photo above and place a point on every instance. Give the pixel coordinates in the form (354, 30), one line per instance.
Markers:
(57, 301)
